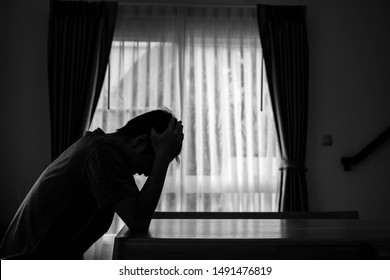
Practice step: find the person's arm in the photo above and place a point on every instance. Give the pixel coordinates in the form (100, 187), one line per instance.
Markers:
(137, 211)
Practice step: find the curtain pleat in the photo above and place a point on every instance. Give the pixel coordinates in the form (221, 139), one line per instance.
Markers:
(284, 41)
(80, 36)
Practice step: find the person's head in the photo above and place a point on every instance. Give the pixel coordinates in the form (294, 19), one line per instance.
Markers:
(136, 132)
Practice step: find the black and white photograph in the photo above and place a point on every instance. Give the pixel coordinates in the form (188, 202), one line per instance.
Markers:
(209, 130)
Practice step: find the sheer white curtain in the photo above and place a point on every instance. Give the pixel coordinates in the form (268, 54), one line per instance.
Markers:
(205, 64)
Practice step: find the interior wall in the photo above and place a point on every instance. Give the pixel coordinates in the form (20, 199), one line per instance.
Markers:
(349, 95)
(25, 126)
(349, 99)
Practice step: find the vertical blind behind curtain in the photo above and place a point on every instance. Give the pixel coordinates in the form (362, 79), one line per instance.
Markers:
(205, 64)
(284, 40)
(80, 37)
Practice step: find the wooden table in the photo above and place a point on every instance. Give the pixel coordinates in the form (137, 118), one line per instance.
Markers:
(256, 239)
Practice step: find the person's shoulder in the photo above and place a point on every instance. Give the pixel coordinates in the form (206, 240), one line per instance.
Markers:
(97, 144)
(99, 140)
(97, 132)
(106, 149)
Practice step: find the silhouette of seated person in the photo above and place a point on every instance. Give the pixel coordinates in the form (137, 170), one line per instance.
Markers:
(73, 202)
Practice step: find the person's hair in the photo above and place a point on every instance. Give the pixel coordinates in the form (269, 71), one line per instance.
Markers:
(143, 124)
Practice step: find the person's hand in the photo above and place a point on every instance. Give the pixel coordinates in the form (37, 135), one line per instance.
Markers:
(168, 143)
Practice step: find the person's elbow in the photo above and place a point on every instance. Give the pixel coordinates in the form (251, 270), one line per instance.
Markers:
(129, 212)
(139, 226)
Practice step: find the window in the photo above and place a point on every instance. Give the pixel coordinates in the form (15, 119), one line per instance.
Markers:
(205, 64)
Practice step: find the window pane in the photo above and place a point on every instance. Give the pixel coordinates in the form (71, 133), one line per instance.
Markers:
(205, 64)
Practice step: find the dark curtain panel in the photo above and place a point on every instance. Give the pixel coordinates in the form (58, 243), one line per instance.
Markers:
(80, 37)
(285, 50)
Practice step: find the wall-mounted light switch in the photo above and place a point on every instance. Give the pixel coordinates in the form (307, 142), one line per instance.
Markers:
(327, 140)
